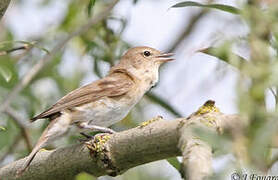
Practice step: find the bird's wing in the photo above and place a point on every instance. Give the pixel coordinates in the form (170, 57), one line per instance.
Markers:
(115, 84)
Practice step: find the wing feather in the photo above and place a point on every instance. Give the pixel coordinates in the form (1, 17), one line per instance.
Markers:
(115, 84)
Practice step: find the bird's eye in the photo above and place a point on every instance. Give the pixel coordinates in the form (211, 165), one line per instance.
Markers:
(147, 53)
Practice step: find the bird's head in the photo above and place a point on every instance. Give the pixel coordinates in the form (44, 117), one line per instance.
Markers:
(144, 62)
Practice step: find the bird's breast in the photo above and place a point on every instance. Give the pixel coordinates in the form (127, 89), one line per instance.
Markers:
(105, 111)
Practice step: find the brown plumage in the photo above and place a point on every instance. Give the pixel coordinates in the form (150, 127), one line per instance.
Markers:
(104, 102)
(115, 84)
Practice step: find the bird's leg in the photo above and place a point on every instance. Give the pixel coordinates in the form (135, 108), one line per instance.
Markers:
(85, 125)
(87, 137)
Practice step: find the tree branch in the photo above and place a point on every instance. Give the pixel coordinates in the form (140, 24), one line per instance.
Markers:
(195, 153)
(122, 151)
(112, 155)
(3, 6)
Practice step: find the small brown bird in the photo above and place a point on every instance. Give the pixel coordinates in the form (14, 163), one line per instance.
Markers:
(104, 102)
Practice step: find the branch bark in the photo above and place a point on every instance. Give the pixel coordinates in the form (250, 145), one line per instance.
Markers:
(122, 151)
(114, 154)
(197, 156)
(3, 6)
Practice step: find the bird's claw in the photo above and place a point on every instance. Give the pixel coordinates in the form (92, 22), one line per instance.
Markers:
(87, 137)
(93, 137)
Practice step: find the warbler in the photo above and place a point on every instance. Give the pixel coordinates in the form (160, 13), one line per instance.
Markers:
(102, 103)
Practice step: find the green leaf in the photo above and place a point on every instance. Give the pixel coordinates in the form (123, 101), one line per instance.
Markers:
(163, 103)
(175, 163)
(6, 73)
(84, 176)
(221, 7)
(2, 128)
(224, 53)
(90, 6)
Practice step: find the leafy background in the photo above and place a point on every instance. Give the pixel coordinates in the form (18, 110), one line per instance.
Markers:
(227, 53)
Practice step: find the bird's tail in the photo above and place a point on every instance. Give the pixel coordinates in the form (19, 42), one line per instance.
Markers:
(31, 156)
(56, 128)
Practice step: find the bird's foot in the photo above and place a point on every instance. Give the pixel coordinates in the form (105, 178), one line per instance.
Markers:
(85, 125)
(95, 137)
(87, 137)
(97, 145)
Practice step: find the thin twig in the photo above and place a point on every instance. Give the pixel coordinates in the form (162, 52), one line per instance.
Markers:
(23, 128)
(188, 28)
(3, 7)
(37, 67)
(274, 92)
(25, 47)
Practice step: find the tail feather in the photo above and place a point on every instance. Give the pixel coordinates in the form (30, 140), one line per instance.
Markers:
(31, 156)
(41, 116)
(56, 128)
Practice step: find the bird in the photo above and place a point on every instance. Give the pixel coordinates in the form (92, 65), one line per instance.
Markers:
(104, 102)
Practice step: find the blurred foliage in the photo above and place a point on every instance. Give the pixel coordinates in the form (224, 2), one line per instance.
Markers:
(10, 133)
(90, 7)
(258, 74)
(225, 54)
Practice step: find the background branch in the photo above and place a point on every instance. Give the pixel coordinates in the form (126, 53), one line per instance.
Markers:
(37, 67)
(10, 149)
(3, 6)
(21, 125)
(25, 47)
(187, 30)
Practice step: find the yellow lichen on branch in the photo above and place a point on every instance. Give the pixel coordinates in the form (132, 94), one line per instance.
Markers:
(97, 145)
(208, 107)
(145, 123)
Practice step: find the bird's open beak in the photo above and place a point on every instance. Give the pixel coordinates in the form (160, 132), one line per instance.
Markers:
(165, 57)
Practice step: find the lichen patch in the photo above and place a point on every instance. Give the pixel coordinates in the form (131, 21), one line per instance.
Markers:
(145, 123)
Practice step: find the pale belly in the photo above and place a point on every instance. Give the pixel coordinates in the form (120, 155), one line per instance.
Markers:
(104, 112)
